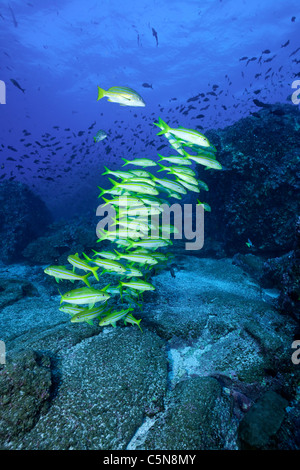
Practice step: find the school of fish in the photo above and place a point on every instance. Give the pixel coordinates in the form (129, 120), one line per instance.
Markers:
(134, 197)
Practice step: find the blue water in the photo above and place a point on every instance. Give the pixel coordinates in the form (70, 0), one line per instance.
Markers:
(206, 361)
(59, 52)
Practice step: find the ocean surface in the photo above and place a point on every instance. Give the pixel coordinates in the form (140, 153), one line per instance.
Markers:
(149, 225)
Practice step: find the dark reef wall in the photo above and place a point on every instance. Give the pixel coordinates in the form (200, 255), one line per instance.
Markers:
(256, 195)
(23, 217)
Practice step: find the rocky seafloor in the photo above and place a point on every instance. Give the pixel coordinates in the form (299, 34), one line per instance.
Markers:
(212, 368)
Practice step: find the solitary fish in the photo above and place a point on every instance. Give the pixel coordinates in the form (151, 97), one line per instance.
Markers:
(100, 135)
(122, 95)
(14, 82)
(147, 85)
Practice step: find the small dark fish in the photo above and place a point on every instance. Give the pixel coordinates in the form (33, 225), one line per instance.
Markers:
(286, 44)
(13, 17)
(154, 33)
(147, 85)
(267, 51)
(269, 59)
(251, 60)
(293, 19)
(11, 148)
(194, 98)
(294, 52)
(278, 112)
(243, 58)
(14, 82)
(256, 92)
(260, 104)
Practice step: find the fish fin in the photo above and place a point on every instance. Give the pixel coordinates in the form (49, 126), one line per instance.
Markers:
(107, 201)
(103, 191)
(61, 300)
(57, 279)
(113, 182)
(101, 93)
(90, 322)
(86, 257)
(121, 291)
(164, 126)
(126, 161)
(91, 305)
(85, 279)
(114, 323)
(72, 280)
(107, 171)
(95, 140)
(94, 271)
(105, 288)
(162, 167)
(138, 324)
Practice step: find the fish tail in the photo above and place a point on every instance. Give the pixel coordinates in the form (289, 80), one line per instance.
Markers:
(138, 324)
(105, 288)
(94, 271)
(86, 257)
(121, 291)
(95, 140)
(113, 182)
(107, 171)
(61, 300)
(106, 202)
(126, 161)
(162, 167)
(119, 254)
(85, 279)
(163, 126)
(103, 191)
(101, 93)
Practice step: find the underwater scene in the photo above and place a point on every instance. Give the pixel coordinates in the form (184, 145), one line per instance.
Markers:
(150, 227)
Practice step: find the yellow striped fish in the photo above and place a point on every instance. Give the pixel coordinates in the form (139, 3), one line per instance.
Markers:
(122, 95)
